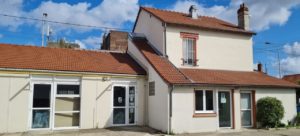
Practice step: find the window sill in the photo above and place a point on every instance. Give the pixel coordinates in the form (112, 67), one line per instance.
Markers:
(191, 66)
(199, 115)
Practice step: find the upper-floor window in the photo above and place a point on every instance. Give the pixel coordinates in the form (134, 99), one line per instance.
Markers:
(189, 48)
(188, 51)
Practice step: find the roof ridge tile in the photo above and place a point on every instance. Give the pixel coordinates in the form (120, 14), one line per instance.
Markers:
(70, 49)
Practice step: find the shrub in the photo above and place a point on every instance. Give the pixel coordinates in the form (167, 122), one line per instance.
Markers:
(269, 112)
(297, 120)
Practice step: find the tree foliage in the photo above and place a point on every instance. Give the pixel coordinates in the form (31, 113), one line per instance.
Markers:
(62, 44)
(269, 111)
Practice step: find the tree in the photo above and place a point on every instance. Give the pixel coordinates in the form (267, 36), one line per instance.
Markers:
(62, 44)
(269, 111)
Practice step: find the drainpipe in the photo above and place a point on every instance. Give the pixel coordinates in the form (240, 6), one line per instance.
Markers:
(170, 109)
(165, 40)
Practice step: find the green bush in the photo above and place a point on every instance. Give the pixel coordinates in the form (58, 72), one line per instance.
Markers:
(297, 120)
(269, 112)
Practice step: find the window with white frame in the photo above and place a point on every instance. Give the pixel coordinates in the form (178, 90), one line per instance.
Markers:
(189, 51)
(204, 101)
(55, 102)
(67, 105)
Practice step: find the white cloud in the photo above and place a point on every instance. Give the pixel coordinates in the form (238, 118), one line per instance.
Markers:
(92, 42)
(107, 13)
(12, 7)
(291, 64)
(255, 66)
(264, 13)
(81, 44)
(292, 50)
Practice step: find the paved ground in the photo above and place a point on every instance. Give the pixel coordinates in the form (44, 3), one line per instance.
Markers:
(143, 131)
(283, 132)
(118, 131)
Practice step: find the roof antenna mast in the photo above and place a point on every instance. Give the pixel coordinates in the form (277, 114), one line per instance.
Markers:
(44, 20)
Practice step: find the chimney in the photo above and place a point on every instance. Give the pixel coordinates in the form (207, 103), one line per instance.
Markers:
(243, 17)
(193, 12)
(259, 67)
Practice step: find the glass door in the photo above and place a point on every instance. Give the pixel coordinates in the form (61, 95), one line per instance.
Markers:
(119, 105)
(246, 110)
(41, 106)
(224, 109)
(124, 105)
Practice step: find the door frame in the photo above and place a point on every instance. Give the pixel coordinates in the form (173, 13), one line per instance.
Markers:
(230, 100)
(251, 109)
(126, 85)
(32, 83)
(53, 81)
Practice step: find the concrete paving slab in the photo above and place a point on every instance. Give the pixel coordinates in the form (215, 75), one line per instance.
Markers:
(145, 131)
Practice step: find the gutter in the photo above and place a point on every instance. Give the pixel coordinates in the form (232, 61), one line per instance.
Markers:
(234, 85)
(170, 109)
(68, 72)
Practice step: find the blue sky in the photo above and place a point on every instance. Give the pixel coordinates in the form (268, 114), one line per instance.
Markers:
(275, 21)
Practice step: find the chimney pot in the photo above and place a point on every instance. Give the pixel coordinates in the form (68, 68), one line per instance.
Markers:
(243, 17)
(193, 12)
(259, 67)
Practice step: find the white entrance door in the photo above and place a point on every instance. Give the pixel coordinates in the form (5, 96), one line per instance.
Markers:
(246, 109)
(124, 106)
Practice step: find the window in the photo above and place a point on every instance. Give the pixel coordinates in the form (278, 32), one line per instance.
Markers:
(55, 102)
(189, 51)
(246, 118)
(151, 88)
(204, 101)
(41, 106)
(67, 106)
(67, 89)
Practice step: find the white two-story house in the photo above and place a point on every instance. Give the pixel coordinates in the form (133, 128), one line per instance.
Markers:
(179, 73)
(200, 71)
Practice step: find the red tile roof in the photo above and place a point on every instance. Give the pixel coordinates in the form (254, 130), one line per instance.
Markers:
(58, 59)
(292, 78)
(238, 78)
(173, 75)
(204, 22)
(163, 67)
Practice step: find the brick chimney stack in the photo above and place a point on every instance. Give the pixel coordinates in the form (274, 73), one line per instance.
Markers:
(243, 17)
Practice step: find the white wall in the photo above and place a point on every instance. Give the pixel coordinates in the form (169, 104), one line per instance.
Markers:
(183, 103)
(286, 96)
(183, 108)
(152, 28)
(14, 102)
(157, 105)
(96, 101)
(96, 106)
(215, 50)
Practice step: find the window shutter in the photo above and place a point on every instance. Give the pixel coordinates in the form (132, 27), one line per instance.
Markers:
(151, 88)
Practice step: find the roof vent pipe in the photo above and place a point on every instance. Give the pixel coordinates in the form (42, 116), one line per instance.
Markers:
(193, 12)
(259, 67)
